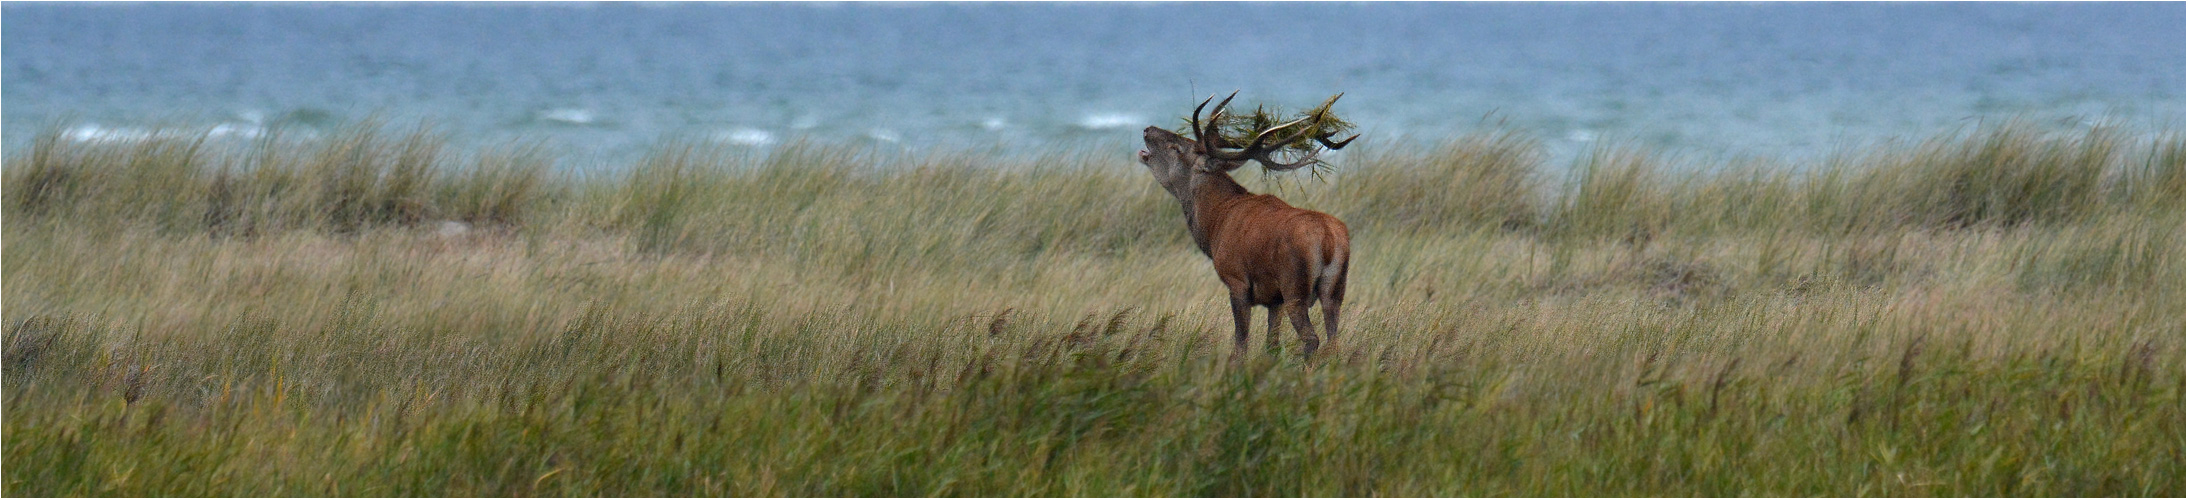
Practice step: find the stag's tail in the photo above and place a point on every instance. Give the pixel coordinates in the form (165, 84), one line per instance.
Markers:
(1333, 258)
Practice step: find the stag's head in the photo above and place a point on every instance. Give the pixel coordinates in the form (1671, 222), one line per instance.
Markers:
(1176, 160)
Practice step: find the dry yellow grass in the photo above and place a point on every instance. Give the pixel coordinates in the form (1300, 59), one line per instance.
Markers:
(829, 321)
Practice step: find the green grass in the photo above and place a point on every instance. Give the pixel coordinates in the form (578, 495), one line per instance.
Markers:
(1993, 313)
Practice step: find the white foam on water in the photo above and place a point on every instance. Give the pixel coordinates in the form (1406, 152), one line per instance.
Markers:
(236, 131)
(1581, 135)
(884, 135)
(572, 116)
(92, 132)
(1103, 121)
(746, 137)
(994, 124)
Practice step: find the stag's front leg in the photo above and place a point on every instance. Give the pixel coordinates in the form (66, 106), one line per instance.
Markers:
(1276, 327)
(1241, 312)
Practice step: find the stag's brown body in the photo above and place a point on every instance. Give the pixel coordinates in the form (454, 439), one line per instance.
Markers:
(1266, 252)
(1273, 250)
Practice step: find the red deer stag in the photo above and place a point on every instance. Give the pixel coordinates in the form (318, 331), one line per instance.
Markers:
(1265, 251)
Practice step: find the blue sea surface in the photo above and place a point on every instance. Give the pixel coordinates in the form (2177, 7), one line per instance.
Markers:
(610, 80)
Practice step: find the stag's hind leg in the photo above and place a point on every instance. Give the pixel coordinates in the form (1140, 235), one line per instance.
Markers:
(1333, 298)
(1276, 327)
(1329, 318)
(1298, 312)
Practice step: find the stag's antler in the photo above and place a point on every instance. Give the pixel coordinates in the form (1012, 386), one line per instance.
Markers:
(1213, 144)
(1207, 137)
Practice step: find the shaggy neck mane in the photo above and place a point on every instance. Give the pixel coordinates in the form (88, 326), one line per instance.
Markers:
(1210, 190)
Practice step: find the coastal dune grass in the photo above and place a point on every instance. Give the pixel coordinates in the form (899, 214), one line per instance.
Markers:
(372, 313)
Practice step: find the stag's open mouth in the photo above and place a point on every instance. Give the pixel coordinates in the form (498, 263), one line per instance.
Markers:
(1143, 156)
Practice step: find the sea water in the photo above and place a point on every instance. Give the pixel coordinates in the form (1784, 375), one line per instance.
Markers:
(609, 81)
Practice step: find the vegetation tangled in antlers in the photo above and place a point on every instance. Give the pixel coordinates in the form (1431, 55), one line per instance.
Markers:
(1305, 135)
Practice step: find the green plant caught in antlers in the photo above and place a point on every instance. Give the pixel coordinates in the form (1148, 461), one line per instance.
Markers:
(1266, 131)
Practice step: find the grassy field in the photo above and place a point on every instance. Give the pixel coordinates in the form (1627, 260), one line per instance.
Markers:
(1994, 312)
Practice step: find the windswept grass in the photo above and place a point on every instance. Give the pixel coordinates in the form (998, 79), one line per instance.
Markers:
(359, 179)
(1994, 313)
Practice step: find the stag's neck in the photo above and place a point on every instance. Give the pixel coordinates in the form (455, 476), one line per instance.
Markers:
(1203, 207)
